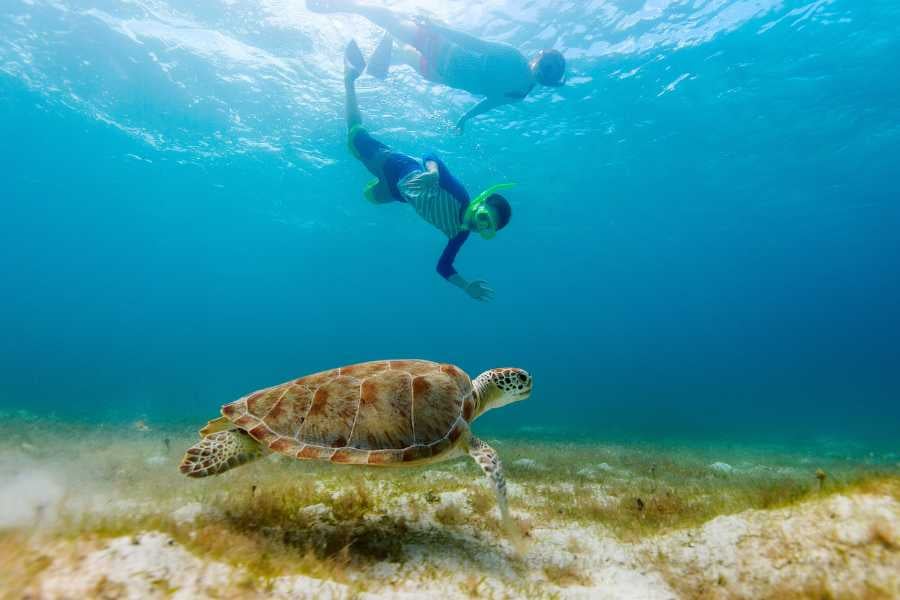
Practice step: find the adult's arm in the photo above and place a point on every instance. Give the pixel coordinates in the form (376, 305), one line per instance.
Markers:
(481, 108)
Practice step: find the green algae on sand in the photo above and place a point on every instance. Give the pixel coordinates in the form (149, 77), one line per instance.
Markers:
(365, 529)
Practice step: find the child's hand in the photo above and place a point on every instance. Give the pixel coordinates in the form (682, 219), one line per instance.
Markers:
(424, 182)
(479, 290)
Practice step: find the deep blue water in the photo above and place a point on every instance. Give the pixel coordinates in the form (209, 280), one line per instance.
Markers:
(704, 239)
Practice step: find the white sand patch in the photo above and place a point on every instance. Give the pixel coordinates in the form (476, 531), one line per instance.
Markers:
(318, 511)
(148, 566)
(298, 586)
(157, 460)
(29, 498)
(442, 476)
(597, 470)
(844, 544)
(187, 513)
(513, 490)
(155, 566)
(458, 499)
(720, 467)
(706, 550)
(602, 497)
(621, 584)
(610, 568)
(840, 547)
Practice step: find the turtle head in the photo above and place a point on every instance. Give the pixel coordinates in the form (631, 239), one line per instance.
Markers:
(499, 387)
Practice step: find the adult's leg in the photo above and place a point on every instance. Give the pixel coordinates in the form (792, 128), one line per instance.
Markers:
(407, 55)
(388, 54)
(401, 27)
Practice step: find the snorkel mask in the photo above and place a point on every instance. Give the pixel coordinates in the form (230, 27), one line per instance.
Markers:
(482, 217)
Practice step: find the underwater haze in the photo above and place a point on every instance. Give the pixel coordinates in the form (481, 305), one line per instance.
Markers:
(704, 241)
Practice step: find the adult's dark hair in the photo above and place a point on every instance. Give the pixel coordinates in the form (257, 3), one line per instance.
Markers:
(550, 67)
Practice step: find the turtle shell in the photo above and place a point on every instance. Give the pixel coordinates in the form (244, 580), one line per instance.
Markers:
(376, 413)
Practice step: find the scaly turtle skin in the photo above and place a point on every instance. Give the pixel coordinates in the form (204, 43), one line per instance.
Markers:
(382, 413)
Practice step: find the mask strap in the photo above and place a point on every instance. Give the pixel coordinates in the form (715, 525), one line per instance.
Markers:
(481, 198)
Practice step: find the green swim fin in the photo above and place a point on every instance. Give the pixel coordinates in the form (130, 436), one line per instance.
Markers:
(380, 60)
(353, 59)
(377, 192)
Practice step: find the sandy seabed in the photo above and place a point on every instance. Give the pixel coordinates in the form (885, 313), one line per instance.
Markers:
(104, 513)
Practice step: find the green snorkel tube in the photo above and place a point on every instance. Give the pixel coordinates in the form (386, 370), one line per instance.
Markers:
(479, 212)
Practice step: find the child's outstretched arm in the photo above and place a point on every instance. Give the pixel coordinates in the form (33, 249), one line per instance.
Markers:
(477, 289)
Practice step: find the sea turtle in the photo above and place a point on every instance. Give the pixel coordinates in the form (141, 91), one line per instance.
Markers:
(390, 413)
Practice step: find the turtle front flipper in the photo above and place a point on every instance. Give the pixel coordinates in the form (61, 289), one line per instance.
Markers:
(489, 461)
(219, 452)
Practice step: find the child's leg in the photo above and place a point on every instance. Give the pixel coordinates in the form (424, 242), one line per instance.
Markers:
(369, 151)
(353, 116)
(353, 67)
(372, 153)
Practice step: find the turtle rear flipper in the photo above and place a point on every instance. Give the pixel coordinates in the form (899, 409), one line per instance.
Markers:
(219, 452)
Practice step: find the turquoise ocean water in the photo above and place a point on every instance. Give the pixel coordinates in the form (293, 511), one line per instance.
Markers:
(704, 239)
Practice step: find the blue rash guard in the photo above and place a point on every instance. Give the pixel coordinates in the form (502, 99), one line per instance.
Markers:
(451, 184)
(444, 209)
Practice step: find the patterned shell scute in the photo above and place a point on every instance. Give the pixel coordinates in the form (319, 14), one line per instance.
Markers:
(370, 413)
(384, 418)
(329, 420)
(434, 412)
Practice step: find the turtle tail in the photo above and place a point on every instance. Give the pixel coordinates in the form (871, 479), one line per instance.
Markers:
(219, 452)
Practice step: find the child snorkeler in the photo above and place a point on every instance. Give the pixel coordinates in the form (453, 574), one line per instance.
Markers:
(494, 70)
(426, 185)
